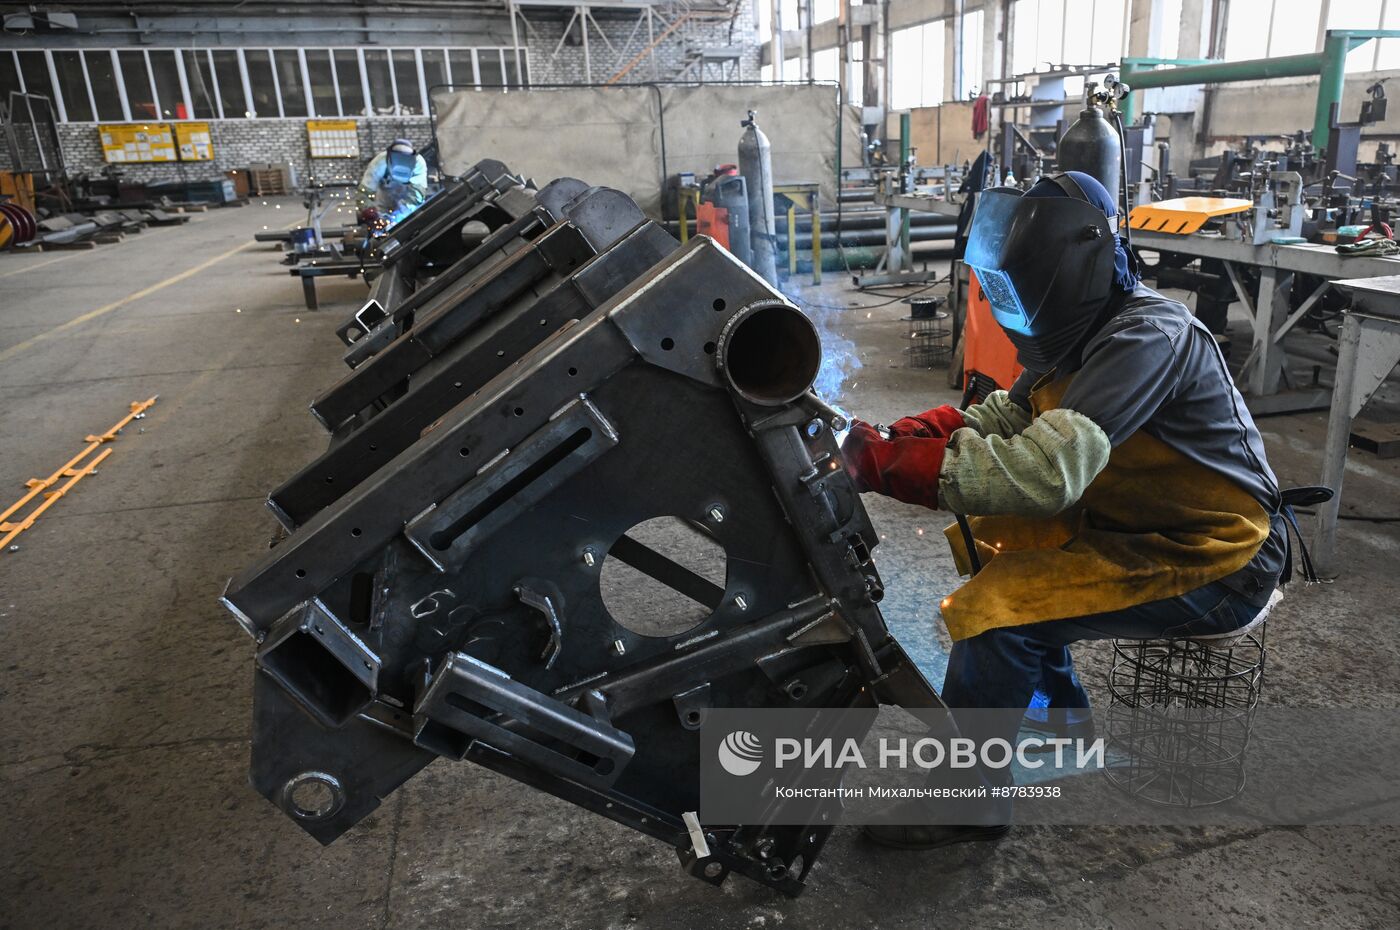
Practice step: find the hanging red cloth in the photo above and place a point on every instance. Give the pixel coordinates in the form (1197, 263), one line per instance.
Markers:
(981, 116)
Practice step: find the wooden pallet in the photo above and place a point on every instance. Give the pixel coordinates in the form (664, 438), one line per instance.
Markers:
(267, 181)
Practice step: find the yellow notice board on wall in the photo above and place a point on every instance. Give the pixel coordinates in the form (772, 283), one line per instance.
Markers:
(137, 142)
(333, 138)
(194, 142)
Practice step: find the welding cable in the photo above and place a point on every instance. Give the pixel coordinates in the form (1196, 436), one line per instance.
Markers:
(970, 542)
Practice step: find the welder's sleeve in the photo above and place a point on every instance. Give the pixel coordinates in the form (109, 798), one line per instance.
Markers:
(998, 415)
(368, 193)
(418, 184)
(1038, 472)
(1129, 371)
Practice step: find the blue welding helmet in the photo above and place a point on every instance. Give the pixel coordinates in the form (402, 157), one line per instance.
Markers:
(400, 160)
(1046, 267)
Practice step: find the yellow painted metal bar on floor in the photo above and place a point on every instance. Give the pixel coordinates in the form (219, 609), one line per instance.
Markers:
(71, 470)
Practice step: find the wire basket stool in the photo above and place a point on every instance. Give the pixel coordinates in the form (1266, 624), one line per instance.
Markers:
(1180, 714)
(930, 342)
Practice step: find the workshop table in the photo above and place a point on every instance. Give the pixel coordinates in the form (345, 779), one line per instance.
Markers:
(310, 271)
(1266, 363)
(1368, 348)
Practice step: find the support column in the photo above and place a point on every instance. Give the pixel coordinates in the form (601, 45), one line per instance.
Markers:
(994, 41)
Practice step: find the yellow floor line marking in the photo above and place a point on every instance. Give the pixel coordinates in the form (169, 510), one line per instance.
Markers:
(118, 304)
(32, 265)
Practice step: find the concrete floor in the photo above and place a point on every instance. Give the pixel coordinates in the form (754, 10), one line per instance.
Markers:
(124, 699)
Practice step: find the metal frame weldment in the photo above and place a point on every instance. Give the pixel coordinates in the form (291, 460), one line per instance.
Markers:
(496, 443)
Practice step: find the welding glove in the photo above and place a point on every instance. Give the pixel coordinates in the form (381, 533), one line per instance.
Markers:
(905, 468)
(938, 423)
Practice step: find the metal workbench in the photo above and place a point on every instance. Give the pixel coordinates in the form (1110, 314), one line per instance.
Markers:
(1266, 364)
(1368, 349)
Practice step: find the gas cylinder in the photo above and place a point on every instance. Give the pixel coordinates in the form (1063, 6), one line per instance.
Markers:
(1092, 145)
(756, 165)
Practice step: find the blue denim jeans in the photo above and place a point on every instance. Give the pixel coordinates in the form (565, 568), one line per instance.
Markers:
(1004, 667)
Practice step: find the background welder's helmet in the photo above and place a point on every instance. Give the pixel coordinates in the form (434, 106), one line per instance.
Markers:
(1048, 262)
(400, 160)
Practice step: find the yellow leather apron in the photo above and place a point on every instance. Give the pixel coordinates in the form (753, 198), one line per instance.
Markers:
(1153, 524)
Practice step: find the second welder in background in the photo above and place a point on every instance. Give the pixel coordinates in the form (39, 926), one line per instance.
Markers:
(394, 182)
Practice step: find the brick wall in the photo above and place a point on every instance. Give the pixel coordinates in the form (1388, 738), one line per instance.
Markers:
(240, 142)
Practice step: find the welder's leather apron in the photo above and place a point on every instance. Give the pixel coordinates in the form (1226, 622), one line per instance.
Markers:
(1153, 524)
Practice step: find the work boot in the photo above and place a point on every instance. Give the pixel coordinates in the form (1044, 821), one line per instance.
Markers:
(932, 836)
(1066, 723)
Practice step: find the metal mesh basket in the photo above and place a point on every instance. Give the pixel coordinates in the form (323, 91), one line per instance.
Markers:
(930, 345)
(1179, 717)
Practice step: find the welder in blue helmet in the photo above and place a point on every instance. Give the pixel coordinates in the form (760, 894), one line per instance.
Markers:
(1118, 490)
(394, 183)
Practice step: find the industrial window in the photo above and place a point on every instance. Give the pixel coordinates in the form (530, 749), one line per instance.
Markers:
(136, 81)
(406, 82)
(972, 52)
(318, 68)
(1038, 36)
(261, 84)
(9, 76)
(72, 86)
(170, 98)
(855, 84)
(228, 84)
(492, 70)
(1269, 29)
(348, 80)
(463, 70)
(35, 70)
(112, 85)
(381, 87)
(1367, 14)
(822, 10)
(102, 78)
(287, 63)
(826, 65)
(199, 77)
(508, 57)
(787, 14)
(434, 68)
(916, 72)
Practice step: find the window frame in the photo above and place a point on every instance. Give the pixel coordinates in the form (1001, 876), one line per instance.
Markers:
(422, 98)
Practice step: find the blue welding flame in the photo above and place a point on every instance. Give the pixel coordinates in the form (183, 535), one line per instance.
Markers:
(401, 212)
(840, 361)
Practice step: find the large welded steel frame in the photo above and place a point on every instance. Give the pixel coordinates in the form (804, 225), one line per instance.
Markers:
(545, 243)
(448, 604)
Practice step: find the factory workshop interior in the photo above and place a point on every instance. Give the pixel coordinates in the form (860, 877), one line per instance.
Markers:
(669, 463)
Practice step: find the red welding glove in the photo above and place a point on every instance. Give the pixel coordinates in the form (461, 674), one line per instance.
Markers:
(938, 423)
(905, 469)
(369, 215)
